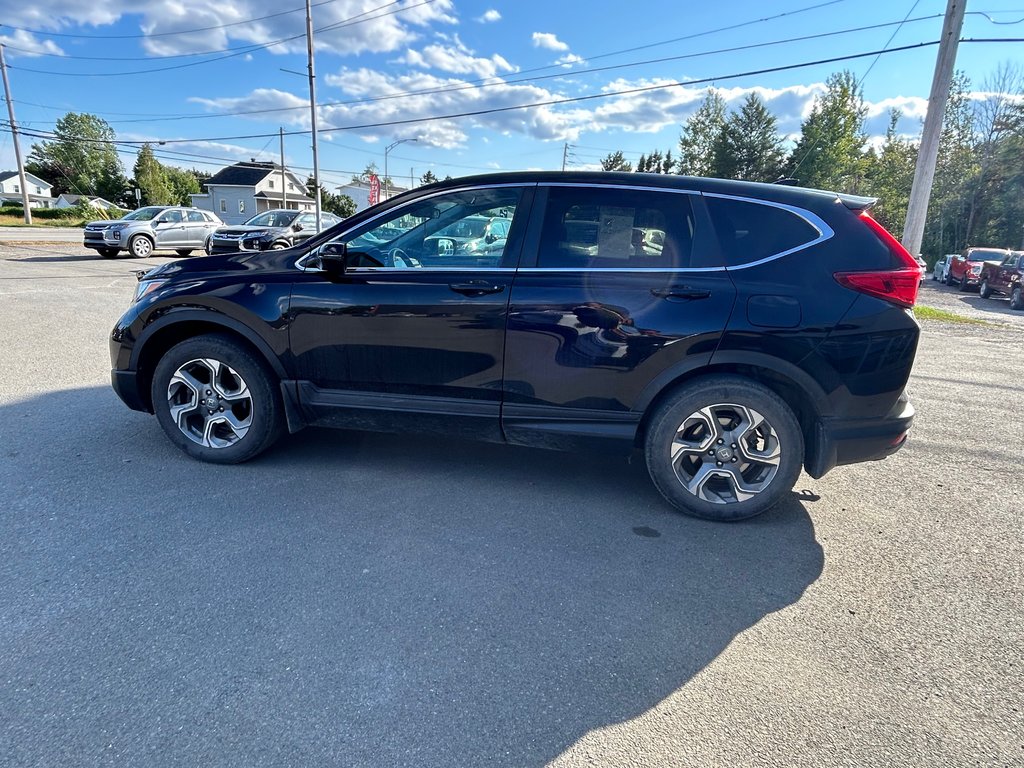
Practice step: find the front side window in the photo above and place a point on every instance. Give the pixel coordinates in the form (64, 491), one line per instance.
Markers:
(307, 220)
(449, 230)
(171, 217)
(272, 219)
(594, 228)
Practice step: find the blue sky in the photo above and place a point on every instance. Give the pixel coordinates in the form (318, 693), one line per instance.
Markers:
(372, 53)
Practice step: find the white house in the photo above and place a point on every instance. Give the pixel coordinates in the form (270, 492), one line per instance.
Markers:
(70, 201)
(39, 192)
(240, 191)
(359, 191)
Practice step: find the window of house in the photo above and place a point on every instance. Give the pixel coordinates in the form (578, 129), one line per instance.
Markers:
(271, 183)
(594, 228)
(223, 205)
(241, 206)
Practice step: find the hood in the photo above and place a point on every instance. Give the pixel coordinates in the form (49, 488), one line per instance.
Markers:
(106, 223)
(243, 261)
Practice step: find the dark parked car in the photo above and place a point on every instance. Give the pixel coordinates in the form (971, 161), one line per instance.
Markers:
(1006, 277)
(270, 230)
(768, 334)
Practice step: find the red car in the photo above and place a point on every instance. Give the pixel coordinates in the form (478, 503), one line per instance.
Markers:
(965, 269)
(1006, 277)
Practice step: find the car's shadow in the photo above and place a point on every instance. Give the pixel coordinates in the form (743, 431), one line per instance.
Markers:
(349, 598)
(995, 304)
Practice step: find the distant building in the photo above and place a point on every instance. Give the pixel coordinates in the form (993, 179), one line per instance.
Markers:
(359, 191)
(240, 191)
(70, 201)
(39, 192)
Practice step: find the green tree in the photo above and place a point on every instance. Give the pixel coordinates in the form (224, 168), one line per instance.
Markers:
(830, 152)
(890, 177)
(340, 205)
(183, 184)
(151, 179)
(81, 159)
(616, 161)
(641, 164)
(428, 177)
(699, 135)
(749, 146)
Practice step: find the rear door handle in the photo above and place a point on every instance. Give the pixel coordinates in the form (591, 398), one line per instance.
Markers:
(680, 292)
(476, 288)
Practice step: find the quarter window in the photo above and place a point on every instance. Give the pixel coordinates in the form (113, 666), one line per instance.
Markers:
(749, 232)
(593, 228)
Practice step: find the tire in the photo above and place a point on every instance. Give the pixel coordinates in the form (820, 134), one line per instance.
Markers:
(948, 279)
(279, 246)
(740, 402)
(108, 253)
(206, 376)
(208, 246)
(183, 252)
(140, 246)
(1016, 298)
(963, 287)
(984, 290)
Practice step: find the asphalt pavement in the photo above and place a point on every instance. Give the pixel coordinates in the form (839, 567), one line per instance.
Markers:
(390, 600)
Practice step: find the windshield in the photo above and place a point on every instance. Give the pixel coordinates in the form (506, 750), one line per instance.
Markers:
(985, 254)
(144, 214)
(273, 219)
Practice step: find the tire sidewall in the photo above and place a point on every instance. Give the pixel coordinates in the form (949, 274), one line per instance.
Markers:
(267, 422)
(984, 290)
(1016, 299)
(134, 240)
(708, 391)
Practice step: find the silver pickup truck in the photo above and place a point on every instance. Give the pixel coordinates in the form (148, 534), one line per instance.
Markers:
(155, 227)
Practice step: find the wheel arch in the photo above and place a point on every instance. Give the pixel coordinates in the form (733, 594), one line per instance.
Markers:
(796, 388)
(160, 336)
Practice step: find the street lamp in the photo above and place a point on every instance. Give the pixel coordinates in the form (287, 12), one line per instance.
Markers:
(387, 149)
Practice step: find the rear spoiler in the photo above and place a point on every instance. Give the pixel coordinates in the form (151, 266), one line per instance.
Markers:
(857, 203)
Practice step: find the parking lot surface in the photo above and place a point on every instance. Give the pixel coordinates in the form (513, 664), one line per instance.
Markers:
(390, 600)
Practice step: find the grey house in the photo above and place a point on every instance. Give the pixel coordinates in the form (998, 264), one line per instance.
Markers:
(240, 191)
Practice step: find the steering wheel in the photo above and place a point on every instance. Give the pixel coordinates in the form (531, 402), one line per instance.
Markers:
(402, 260)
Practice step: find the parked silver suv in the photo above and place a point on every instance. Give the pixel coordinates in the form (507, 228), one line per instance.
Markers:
(155, 227)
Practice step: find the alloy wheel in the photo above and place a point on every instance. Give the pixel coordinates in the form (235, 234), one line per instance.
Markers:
(725, 453)
(210, 403)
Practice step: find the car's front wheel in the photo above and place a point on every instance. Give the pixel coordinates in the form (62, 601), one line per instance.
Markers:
(985, 291)
(183, 252)
(963, 284)
(1016, 299)
(216, 401)
(108, 253)
(140, 246)
(948, 280)
(724, 448)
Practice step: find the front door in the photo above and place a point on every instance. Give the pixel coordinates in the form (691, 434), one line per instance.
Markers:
(171, 228)
(603, 309)
(411, 326)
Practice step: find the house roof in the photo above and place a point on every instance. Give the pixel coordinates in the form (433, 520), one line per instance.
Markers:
(245, 174)
(5, 175)
(69, 198)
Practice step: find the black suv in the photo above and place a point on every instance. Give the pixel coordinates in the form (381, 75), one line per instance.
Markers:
(271, 230)
(769, 332)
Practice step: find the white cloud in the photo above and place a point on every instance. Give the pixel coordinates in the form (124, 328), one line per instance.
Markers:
(26, 44)
(569, 60)
(489, 17)
(456, 58)
(549, 41)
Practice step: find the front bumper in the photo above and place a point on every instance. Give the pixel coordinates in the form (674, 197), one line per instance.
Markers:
(102, 238)
(850, 441)
(126, 385)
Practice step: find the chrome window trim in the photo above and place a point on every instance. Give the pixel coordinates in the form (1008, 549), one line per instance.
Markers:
(634, 187)
(825, 232)
(602, 270)
(303, 268)
(417, 270)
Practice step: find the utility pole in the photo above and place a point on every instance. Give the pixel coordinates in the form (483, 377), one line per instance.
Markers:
(312, 109)
(14, 134)
(284, 180)
(924, 173)
(565, 154)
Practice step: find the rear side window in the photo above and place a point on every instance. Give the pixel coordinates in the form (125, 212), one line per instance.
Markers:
(196, 216)
(593, 228)
(749, 232)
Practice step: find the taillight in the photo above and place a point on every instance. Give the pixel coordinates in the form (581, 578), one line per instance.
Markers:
(898, 285)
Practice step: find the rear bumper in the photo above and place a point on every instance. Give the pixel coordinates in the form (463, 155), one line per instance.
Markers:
(849, 441)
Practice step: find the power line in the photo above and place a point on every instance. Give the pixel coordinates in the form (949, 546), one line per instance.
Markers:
(567, 100)
(352, 21)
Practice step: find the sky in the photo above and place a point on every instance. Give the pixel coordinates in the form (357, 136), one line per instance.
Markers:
(216, 81)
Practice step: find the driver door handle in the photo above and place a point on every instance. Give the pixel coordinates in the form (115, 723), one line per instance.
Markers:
(476, 288)
(680, 292)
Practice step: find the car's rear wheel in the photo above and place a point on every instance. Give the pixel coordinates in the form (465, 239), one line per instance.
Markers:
(724, 448)
(1016, 299)
(216, 401)
(984, 290)
(140, 246)
(183, 252)
(108, 253)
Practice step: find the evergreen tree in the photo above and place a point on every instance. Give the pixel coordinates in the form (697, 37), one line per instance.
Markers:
(830, 151)
(890, 177)
(82, 158)
(616, 161)
(151, 179)
(641, 164)
(749, 146)
(699, 135)
(428, 178)
(340, 205)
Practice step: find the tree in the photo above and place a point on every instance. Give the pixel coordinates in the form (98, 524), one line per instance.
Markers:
(700, 133)
(890, 177)
(641, 164)
(616, 161)
(81, 159)
(340, 205)
(748, 147)
(151, 179)
(830, 151)
(428, 177)
(183, 185)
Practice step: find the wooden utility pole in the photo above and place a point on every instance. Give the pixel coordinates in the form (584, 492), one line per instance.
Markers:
(565, 154)
(284, 179)
(924, 173)
(14, 134)
(312, 109)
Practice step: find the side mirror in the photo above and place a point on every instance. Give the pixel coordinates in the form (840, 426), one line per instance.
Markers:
(491, 237)
(157, 222)
(296, 227)
(334, 258)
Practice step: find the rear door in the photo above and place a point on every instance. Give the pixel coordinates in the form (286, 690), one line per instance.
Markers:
(596, 321)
